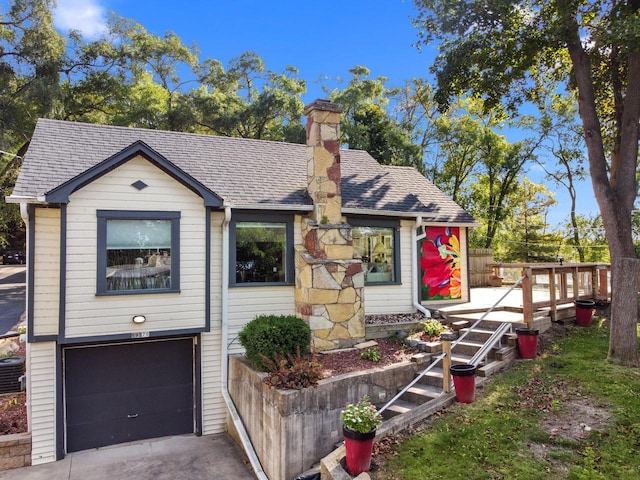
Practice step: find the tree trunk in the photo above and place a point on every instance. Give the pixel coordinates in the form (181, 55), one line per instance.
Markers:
(623, 339)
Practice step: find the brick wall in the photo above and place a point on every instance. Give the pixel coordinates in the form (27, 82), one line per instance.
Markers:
(15, 451)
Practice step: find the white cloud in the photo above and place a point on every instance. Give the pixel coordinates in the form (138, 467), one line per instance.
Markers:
(86, 16)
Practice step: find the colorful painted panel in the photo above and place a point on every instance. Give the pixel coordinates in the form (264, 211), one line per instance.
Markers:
(440, 264)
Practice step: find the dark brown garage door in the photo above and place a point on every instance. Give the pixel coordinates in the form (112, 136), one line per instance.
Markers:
(126, 392)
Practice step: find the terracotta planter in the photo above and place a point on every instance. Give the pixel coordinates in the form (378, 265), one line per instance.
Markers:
(358, 447)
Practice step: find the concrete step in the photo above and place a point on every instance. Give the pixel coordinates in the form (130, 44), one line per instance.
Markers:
(460, 358)
(478, 334)
(467, 347)
(491, 368)
(433, 377)
(398, 408)
(507, 353)
(421, 393)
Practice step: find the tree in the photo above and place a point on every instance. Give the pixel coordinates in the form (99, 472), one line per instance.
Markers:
(525, 234)
(415, 111)
(507, 51)
(366, 124)
(247, 100)
(497, 181)
(31, 57)
(564, 143)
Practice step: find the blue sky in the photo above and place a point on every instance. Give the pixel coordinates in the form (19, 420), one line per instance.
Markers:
(322, 39)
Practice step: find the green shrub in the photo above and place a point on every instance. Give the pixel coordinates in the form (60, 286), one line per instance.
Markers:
(432, 327)
(372, 354)
(274, 337)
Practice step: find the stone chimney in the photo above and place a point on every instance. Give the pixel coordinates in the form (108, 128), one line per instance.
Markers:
(329, 281)
(323, 160)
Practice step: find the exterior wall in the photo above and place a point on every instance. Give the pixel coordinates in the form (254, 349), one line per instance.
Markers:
(214, 413)
(46, 288)
(85, 312)
(41, 401)
(381, 299)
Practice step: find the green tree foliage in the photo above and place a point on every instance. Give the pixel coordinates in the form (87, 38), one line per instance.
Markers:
(564, 143)
(247, 100)
(31, 57)
(525, 236)
(509, 52)
(366, 124)
(593, 243)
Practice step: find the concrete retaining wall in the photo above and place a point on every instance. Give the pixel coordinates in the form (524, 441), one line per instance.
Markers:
(15, 451)
(291, 430)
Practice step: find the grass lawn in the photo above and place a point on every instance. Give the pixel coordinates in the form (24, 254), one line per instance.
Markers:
(568, 414)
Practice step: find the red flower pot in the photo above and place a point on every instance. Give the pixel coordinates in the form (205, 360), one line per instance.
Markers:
(584, 312)
(464, 381)
(527, 342)
(359, 447)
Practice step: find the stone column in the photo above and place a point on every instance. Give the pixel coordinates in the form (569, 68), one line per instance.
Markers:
(329, 281)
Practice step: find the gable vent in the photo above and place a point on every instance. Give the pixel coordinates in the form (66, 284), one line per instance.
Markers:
(139, 185)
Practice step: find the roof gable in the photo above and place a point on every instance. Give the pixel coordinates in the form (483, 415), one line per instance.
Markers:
(61, 193)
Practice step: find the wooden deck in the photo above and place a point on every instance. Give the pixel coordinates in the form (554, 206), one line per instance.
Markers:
(545, 293)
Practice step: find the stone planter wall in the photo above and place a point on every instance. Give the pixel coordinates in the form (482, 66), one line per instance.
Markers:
(291, 430)
(15, 451)
(386, 330)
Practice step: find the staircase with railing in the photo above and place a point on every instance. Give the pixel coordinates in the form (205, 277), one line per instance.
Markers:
(484, 344)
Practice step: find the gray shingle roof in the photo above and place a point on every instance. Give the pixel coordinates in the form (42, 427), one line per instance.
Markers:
(243, 172)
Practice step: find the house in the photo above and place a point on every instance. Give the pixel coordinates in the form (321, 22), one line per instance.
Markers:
(149, 250)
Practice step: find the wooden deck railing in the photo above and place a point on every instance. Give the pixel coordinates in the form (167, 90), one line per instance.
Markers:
(563, 283)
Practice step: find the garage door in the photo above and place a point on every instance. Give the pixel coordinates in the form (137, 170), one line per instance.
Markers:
(126, 392)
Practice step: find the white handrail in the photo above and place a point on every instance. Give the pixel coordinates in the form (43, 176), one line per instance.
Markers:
(439, 358)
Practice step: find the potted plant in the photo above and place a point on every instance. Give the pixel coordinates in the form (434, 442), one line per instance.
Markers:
(359, 424)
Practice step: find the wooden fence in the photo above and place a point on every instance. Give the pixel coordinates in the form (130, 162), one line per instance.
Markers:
(480, 266)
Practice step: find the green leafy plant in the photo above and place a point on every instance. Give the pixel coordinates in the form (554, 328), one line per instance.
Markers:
(372, 354)
(294, 373)
(361, 417)
(432, 327)
(274, 337)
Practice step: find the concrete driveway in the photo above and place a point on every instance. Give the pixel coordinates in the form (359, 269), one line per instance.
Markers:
(183, 457)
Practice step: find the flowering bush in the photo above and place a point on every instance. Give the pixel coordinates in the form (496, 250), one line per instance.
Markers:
(361, 417)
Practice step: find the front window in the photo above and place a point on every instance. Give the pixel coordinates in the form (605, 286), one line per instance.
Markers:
(263, 251)
(137, 252)
(377, 245)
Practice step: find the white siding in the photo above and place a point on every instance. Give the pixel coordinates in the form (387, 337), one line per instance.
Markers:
(88, 314)
(46, 286)
(394, 298)
(214, 411)
(41, 402)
